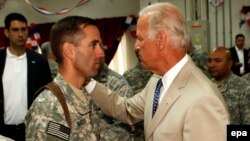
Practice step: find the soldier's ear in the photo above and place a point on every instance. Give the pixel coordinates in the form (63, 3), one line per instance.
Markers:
(68, 50)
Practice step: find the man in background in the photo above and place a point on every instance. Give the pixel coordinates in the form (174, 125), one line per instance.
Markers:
(115, 130)
(23, 72)
(199, 57)
(47, 53)
(138, 77)
(240, 56)
(234, 89)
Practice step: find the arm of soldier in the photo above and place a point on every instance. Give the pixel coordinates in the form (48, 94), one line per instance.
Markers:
(42, 111)
(127, 110)
(245, 106)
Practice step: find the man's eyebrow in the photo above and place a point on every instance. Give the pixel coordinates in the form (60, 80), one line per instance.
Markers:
(18, 28)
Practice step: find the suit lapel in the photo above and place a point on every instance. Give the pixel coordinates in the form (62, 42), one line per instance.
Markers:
(31, 67)
(171, 96)
(2, 60)
(167, 102)
(2, 64)
(149, 104)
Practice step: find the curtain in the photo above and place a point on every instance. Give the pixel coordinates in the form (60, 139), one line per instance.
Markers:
(111, 30)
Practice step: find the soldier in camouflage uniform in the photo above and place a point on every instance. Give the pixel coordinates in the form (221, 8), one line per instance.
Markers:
(199, 56)
(47, 53)
(77, 46)
(234, 89)
(115, 131)
(138, 78)
(246, 76)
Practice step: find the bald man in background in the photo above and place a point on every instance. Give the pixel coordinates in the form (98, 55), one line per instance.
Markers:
(234, 89)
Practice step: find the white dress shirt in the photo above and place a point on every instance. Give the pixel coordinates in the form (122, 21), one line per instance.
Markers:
(169, 76)
(240, 54)
(15, 88)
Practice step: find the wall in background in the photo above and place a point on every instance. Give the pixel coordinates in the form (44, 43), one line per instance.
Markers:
(223, 21)
(93, 9)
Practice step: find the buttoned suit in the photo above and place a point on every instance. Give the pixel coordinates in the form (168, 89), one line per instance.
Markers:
(38, 74)
(191, 110)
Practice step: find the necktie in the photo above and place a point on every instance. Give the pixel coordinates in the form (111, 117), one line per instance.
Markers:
(156, 96)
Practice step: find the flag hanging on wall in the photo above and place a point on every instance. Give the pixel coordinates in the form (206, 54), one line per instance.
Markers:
(34, 39)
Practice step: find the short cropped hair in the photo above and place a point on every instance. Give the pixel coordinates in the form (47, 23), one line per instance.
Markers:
(14, 16)
(69, 30)
(239, 35)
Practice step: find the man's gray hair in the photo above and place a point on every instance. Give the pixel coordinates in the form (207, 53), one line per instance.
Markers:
(167, 18)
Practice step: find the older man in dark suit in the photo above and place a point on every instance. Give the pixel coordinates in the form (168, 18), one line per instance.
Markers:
(23, 71)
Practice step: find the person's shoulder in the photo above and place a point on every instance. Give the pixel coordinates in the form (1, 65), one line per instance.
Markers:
(34, 54)
(46, 96)
(237, 79)
(231, 48)
(2, 50)
(114, 74)
(246, 76)
(237, 83)
(128, 72)
(39, 58)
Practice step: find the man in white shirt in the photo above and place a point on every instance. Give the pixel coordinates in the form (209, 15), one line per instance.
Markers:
(23, 72)
(239, 56)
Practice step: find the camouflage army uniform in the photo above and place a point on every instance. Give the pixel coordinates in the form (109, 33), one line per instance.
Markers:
(246, 76)
(46, 110)
(53, 67)
(138, 78)
(236, 92)
(115, 130)
(200, 58)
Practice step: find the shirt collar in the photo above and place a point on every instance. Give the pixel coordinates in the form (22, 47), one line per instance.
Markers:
(169, 76)
(237, 49)
(10, 55)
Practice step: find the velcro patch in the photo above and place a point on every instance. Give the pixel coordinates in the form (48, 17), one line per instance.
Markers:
(58, 130)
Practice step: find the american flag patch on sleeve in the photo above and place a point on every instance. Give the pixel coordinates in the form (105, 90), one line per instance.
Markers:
(58, 130)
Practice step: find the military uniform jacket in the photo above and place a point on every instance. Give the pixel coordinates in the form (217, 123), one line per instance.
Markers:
(236, 92)
(45, 120)
(113, 130)
(191, 109)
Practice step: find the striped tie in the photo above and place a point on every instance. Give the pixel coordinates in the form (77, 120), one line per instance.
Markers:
(157, 96)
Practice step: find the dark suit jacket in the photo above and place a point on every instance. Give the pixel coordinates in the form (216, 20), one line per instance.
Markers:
(38, 75)
(235, 58)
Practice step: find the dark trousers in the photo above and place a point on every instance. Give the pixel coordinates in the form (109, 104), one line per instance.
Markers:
(15, 132)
